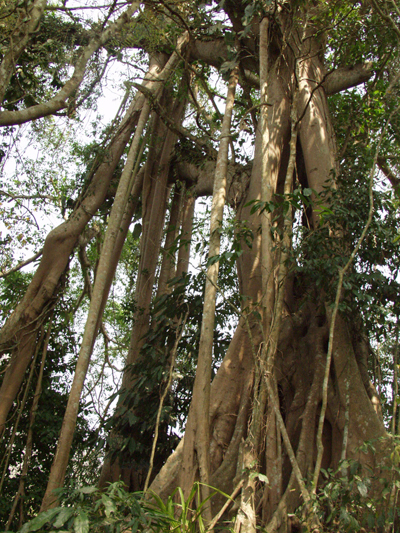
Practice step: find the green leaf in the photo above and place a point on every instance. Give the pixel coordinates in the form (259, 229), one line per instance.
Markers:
(40, 520)
(132, 418)
(81, 523)
(64, 515)
(109, 505)
(213, 260)
(307, 191)
(256, 475)
(87, 490)
(137, 230)
(362, 488)
(228, 66)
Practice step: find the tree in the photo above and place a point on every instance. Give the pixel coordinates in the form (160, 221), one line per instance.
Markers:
(312, 85)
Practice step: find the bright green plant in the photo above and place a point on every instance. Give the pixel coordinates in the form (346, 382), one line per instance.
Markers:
(114, 511)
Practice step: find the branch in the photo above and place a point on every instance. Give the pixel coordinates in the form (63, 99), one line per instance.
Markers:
(27, 196)
(80, 8)
(20, 265)
(230, 500)
(59, 101)
(346, 77)
(384, 167)
(338, 80)
(169, 122)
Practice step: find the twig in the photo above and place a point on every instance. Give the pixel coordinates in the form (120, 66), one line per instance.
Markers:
(21, 265)
(346, 428)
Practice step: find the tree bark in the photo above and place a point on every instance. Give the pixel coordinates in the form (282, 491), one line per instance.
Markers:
(168, 265)
(300, 340)
(186, 235)
(197, 433)
(19, 333)
(154, 201)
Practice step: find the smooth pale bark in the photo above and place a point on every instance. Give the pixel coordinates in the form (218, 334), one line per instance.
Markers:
(154, 202)
(59, 101)
(302, 349)
(247, 520)
(274, 135)
(197, 434)
(154, 206)
(316, 133)
(347, 77)
(230, 394)
(269, 172)
(275, 422)
(111, 470)
(155, 199)
(18, 40)
(201, 179)
(302, 345)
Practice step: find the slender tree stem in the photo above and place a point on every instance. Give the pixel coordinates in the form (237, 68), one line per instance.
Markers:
(21, 265)
(29, 440)
(201, 389)
(395, 385)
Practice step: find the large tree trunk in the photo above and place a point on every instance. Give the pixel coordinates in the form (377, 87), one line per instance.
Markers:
(261, 412)
(299, 364)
